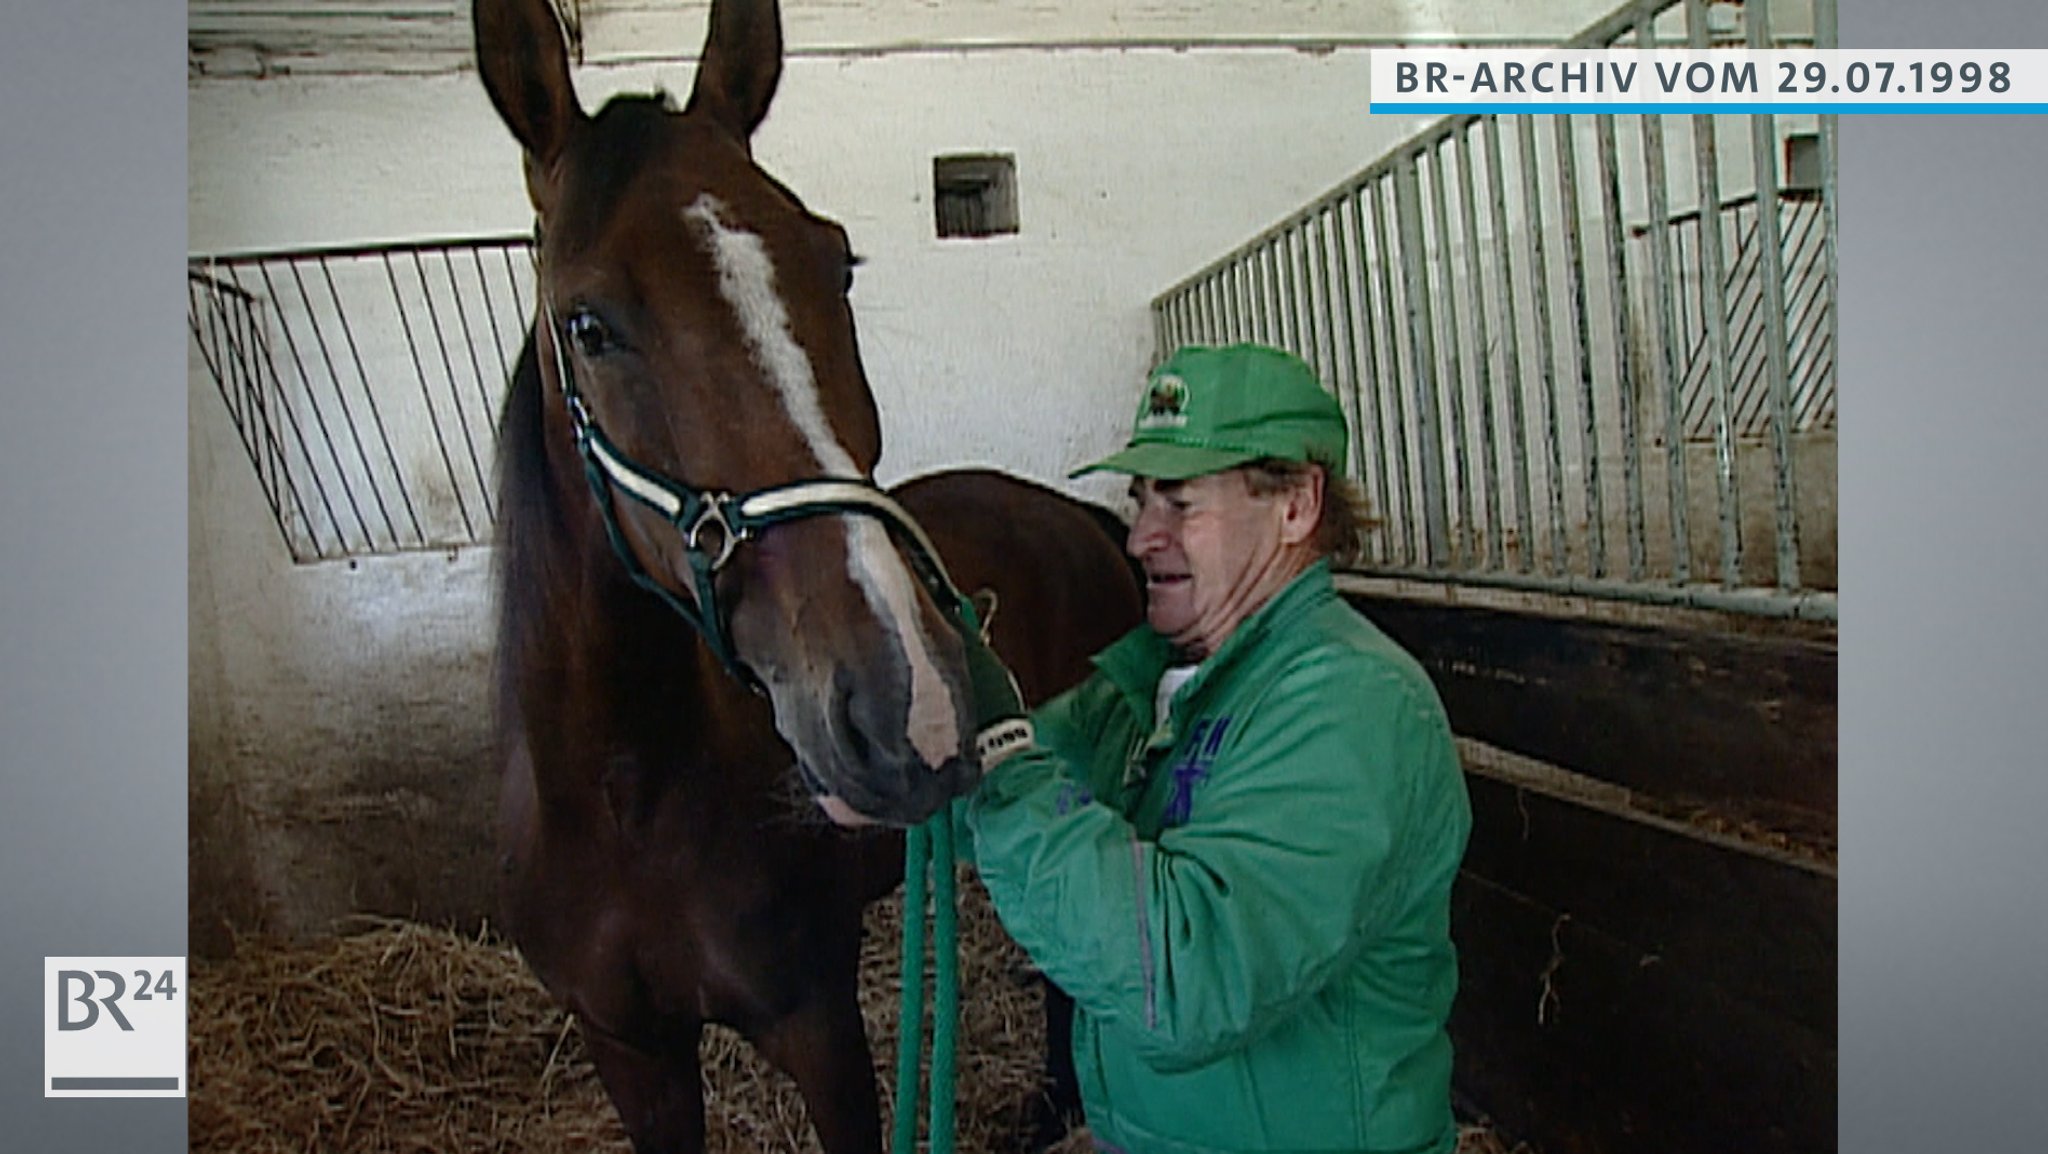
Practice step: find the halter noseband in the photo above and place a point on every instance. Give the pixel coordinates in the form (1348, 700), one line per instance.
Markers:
(700, 514)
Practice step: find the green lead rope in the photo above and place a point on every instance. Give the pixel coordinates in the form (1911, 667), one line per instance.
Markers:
(928, 867)
(945, 983)
(928, 854)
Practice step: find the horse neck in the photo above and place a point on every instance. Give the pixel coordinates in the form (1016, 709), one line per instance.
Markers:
(584, 650)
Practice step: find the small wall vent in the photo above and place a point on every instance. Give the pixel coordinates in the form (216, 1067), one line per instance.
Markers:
(975, 195)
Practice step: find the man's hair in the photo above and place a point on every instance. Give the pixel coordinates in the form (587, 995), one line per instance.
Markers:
(1340, 534)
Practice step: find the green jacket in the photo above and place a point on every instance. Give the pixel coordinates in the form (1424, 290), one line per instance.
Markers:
(1250, 901)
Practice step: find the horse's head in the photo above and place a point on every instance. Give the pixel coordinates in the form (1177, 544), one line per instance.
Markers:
(696, 342)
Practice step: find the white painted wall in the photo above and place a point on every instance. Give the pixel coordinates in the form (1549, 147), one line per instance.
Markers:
(1134, 165)
(338, 710)
(240, 38)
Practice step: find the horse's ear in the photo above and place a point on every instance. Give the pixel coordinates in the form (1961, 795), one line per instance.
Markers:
(742, 63)
(524, 60)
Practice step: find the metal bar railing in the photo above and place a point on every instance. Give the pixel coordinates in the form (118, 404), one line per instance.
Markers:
(1518, 421)
(1546, 341)
(1365, 366)
(1825, 35)
(1666, 303)
(434, 419)
(1482, 345)
(1421, 333)
(364, 383)
(1461, 548)
(1763, 135)
(319, 478)
(311, 395)
(1620, 317)
(1707, 167)
(1667, 374)
(224, 326)
(1575, 299)
(1396, 430)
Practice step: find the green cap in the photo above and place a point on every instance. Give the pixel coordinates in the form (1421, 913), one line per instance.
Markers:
(1209, 409)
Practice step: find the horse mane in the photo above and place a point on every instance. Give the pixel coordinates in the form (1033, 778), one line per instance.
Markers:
(622, 137)
(544, 562)
(531, 526)
(1114, 527)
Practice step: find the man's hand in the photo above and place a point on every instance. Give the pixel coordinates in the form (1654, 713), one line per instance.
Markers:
(1002, 724)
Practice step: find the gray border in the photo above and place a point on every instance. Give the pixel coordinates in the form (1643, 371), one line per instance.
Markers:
(1945, 275)
(92, 524)
(1944, 716)
(115, 1083)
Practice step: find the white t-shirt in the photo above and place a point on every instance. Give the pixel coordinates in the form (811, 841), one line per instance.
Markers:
(1169, 684)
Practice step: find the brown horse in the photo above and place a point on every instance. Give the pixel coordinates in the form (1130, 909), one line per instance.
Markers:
(679, 667)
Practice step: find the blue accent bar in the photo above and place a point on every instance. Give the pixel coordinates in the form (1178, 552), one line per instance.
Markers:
(1681, 108)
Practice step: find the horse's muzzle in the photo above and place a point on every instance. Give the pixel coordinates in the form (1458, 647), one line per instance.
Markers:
(913, 793)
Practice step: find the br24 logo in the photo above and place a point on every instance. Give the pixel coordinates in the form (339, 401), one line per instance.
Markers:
(148, 985)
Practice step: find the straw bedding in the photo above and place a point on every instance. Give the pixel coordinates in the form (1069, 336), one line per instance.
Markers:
(397, 1038)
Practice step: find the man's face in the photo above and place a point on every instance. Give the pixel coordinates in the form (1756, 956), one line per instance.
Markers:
(1212, 553)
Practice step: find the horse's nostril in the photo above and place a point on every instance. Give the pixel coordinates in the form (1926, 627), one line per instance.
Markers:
(855, 711)
(859, 747)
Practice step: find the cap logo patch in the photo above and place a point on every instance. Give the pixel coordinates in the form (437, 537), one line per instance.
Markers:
(1165, 404)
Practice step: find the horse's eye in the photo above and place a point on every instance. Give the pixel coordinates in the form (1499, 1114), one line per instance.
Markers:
(852, 262)
(588, 333)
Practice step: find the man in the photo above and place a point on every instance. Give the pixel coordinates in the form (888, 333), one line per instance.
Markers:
(1234, 844)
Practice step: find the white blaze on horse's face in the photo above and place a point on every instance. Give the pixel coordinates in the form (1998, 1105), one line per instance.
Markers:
(746, 278)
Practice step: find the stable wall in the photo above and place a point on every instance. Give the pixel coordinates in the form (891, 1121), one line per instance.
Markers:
(1133, 165)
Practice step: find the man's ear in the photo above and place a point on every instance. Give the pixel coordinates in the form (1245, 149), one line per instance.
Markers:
(1301, 508)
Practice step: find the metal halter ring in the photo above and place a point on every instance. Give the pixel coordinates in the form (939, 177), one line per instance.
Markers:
(713, 516)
